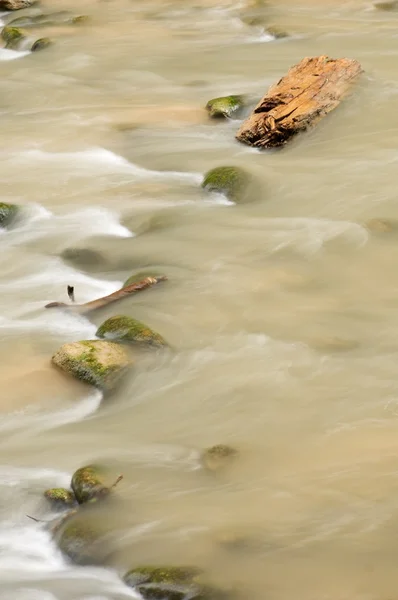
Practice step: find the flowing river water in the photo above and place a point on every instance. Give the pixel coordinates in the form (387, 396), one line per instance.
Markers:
(282, 312)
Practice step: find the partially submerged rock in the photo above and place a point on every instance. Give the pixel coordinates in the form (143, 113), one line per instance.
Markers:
(217, 457)
(15, 4)
(89, 483)
(387, 5)
(83, 257)
(8, 212)
(42, 44)
(80, 537)
(141, 275)
(233, 182)
(127, 329)
(166, 583)
(382, 225)
(60, 498)
(46, 20)
(96, 362)
(225, 106)
(276, 33)
(13, 37)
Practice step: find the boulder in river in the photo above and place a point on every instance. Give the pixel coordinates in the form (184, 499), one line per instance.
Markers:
(225, 106)
(42, 44)
(83, 257)
(167, 582)
(97, 362)
(233, 182)
(141, 275)
(15, 4)
(218, 456)
(60, 498)
(7, 213)
(89, 483)
(127, 329)
(13, 37)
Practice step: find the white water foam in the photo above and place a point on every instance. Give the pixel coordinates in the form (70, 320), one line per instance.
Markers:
(99, 160)
(91, 221)
(6, 54)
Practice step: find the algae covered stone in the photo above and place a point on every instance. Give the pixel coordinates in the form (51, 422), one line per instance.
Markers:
(128, 329)
(233, 182)
(140, 276)
(60, 497)
(15, 4)
(166, 583)
(97, 362)
(218, 456)
(225, 106)
(42, 44)
(8, 212)
(89, 483)
(13, 37)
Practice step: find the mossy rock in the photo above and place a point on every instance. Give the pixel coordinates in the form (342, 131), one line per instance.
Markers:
(127, 329)
(276, 33)
(8, 212)
(217, 457)
(164, 583)
(233, 182)
(225, 106)
(60, 498)
(15, 4)
(80, 537)
(80, 20)
(388, 5)
(96, 362)
(90, 483)
(13, 37)
(140, 276)
(42, 44)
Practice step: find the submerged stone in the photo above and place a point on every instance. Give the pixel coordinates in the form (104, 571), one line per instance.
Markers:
(387, 5)
(96, 362)
(218, 456)
(166, 583)
(42, 44)
(12, 36)
(80, 20)
(140, 276)
(127, 329)
(233, 182)
(277, 33)
(60, 497)
(80, 537)
(83, 257)
(8, 212)
(225, 106)
(381, 225)
(15, 4)
(88, 483)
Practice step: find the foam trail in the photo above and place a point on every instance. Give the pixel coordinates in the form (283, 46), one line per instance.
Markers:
(6, 54)
(95, 160)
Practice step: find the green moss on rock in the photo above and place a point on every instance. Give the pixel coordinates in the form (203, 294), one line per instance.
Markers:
(218, 456)
(97, 362)
(42, 44)
(80, 20)
(225, 106)
(140, 276)
(89, 483)
(8, 212)
(128, 329)
(60, 497)
(80, 537)
(15, 4)
(234, 182)
(13, 37)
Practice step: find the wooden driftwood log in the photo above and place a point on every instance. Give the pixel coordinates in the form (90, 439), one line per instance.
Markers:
(88, 307)
(308, 92)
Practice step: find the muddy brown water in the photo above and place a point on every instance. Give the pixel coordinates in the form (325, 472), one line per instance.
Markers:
(283, 312)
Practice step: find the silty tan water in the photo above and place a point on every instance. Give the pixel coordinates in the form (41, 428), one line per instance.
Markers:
(283, 312)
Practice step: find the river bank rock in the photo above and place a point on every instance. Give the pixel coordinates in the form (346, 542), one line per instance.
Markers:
(60, 498)
(15, 4)
(13, 37)
(41, 44)
(96, 362)
(225, 106)
(127, 329)
(140, 276)
(233, 182)
(89, 483)
(8, 212)
(217, 457)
